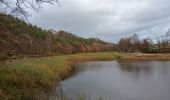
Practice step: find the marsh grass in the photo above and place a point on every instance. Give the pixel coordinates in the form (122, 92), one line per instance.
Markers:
(145, 57)
(92, 56)
(34, 78)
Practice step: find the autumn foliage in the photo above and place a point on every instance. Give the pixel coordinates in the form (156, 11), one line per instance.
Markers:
(21, 38)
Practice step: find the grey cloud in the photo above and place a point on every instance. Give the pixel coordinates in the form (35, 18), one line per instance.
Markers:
(106, 19)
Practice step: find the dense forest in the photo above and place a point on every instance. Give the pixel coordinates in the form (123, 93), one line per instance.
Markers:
(19, 38)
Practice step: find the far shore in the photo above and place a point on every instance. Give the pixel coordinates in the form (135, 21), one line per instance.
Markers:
(146, 56)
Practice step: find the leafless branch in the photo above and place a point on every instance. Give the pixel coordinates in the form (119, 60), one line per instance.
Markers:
(20, 7)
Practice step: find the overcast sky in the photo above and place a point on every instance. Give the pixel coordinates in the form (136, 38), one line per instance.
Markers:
(106, 19)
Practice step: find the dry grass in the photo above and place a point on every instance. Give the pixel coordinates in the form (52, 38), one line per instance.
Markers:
(140, 56)
(34, 78)
(101, 56)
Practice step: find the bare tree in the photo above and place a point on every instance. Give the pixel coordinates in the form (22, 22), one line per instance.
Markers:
(20, 7)
(135, 42)
(158, 44)
(167, 36)
(130, 44)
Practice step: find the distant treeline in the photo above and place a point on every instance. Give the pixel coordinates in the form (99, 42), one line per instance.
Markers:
(20, 38)
(147, 45)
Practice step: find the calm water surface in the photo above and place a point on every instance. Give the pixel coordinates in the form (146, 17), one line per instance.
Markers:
(114, 80)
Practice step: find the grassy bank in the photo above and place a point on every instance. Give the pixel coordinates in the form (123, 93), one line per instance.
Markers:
(144, 57)
(33, 78)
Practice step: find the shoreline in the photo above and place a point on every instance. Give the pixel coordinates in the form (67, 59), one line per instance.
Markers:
(34, 78)
(145, 57)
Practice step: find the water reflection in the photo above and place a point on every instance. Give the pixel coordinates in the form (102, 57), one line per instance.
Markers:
(116, 80)
(135, 69)
(134, 66)
(86, 66)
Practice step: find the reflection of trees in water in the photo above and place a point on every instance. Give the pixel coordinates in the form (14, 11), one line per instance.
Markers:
(135, 68)
(84, 66)
(58, 93)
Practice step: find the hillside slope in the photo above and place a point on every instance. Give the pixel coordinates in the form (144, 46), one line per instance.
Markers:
(20, 38)
(70, 43)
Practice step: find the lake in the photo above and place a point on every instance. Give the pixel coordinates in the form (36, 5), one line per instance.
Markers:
(115, 80)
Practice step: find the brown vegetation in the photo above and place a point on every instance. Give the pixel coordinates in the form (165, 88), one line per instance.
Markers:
(147, 45)
(144, 57)
(22, 39)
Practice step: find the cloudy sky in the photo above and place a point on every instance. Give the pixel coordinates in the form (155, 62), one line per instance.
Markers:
(106, 19)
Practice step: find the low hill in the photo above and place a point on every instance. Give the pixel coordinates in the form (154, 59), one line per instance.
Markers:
(73, 43)
(20, 38)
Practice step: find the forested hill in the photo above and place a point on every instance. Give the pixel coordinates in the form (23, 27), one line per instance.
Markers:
(71, 44)
(20, 38)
